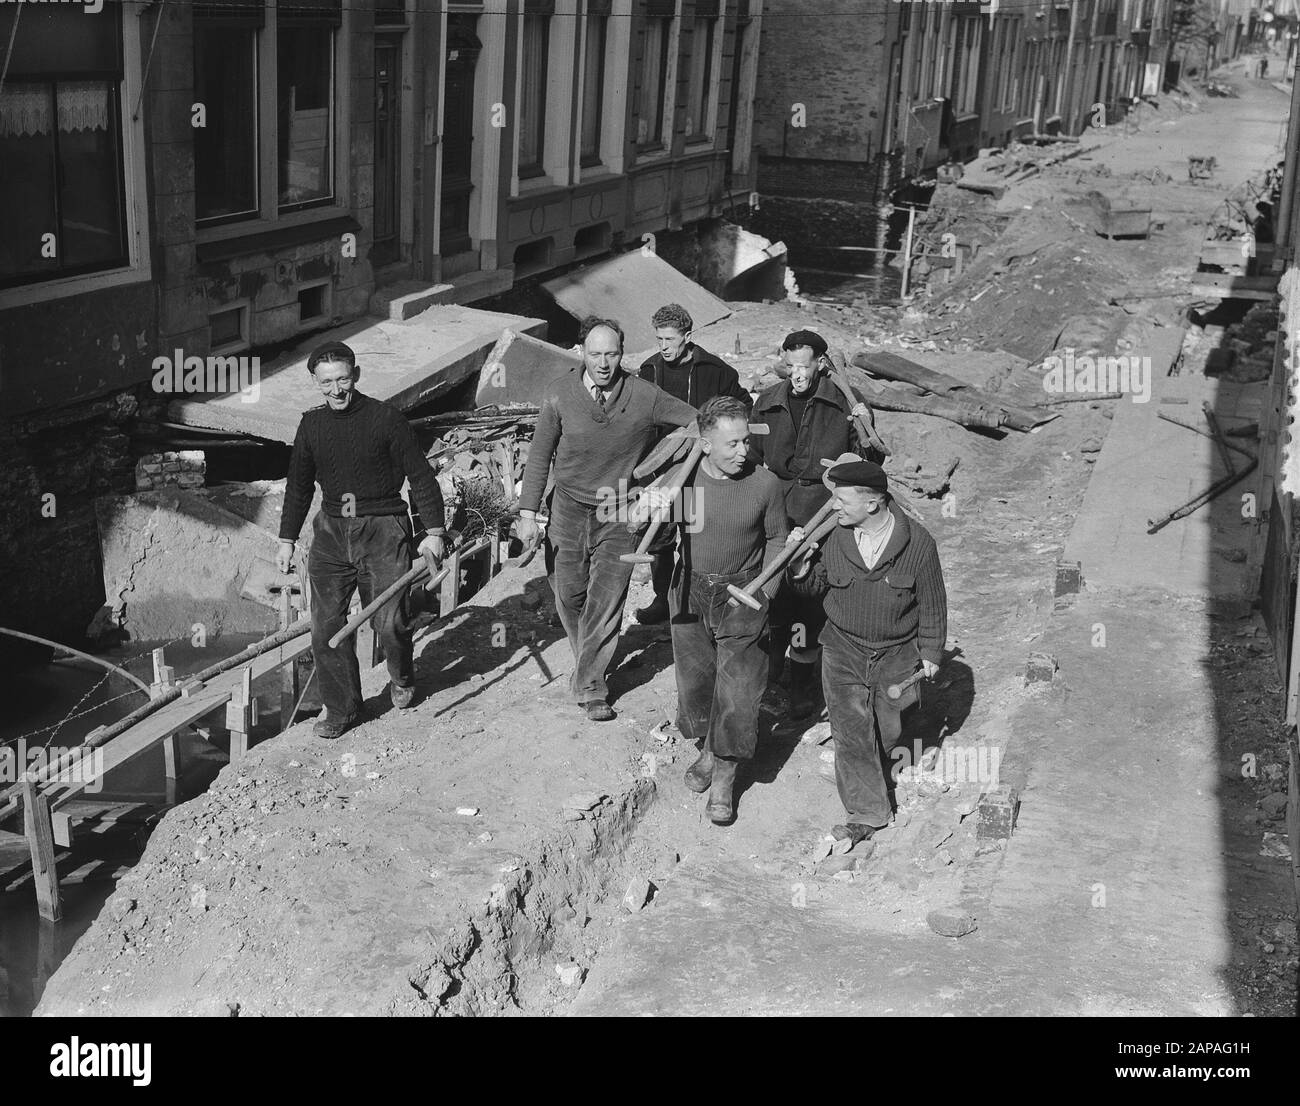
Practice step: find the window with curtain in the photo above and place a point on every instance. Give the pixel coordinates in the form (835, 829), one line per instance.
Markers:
(699, 121)
(63, 209)
(593, 87)
(532, 93)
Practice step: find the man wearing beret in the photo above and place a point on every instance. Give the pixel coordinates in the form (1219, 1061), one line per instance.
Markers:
(879, 579)
(807, 420)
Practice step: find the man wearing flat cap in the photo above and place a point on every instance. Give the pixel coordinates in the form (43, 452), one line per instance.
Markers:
(807, 420)
(879, 580)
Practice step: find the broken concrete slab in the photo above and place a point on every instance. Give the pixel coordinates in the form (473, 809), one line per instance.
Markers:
(630, 288)
(951, 923)
(405, 363)
(519, 367)
(173, 559)
(737, 264)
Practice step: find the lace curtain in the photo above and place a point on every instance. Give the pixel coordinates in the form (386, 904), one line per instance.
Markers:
(25, 110)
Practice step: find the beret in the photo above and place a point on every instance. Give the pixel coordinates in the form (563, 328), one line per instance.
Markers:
(859, 474)
(805, 338)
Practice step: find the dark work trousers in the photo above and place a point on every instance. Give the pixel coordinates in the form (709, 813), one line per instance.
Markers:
(720, 663)
(364, 554)
(865, 724)
(590, 585)
(798, 620)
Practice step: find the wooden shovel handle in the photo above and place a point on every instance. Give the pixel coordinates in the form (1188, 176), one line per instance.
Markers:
(746, 594)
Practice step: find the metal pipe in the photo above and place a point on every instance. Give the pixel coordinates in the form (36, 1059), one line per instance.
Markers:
(78, 653)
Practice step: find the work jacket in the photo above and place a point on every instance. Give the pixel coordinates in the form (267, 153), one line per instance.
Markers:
(709, 376)
(794, 454)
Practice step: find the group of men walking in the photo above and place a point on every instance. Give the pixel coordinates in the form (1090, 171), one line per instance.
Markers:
(871, 598)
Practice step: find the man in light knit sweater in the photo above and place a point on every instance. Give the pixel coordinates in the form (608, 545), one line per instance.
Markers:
(595, 426)
(735, 523)
(886, 611)
(361, 450)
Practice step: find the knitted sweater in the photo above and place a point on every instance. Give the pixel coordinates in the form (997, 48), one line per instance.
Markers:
(365, 450)
(732, 525)
(902, 598)
(595, 450)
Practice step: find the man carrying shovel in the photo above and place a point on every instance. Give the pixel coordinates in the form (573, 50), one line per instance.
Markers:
(594, 426)
(734, 515)
(886, 608)
(360, 450)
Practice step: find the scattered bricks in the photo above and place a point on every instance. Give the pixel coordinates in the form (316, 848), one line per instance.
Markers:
(1069, 577)
(192, 456)
(637, 894)
(1040, 669)
(951, 923)
(998, 810)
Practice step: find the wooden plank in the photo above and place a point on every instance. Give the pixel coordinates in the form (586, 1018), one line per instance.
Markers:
(93, 813)
(40, 839)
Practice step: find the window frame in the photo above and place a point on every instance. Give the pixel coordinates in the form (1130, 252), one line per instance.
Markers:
(595, 15)
(269, 216)
(658, 138)
(710, 86)
(526, 171)
(133, 180)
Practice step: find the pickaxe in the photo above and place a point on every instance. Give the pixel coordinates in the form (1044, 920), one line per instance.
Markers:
(859, 412)
(671, 488)
(818, 527)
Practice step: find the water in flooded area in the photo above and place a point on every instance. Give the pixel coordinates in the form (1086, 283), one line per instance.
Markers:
(880, 285)
(56, 706)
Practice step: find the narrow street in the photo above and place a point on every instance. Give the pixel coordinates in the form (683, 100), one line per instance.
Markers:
(438, 862)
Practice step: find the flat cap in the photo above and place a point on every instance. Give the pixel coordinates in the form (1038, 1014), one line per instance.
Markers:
(859, 474)
(805, 338)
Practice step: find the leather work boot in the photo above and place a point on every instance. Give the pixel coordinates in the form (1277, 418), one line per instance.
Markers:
(330, 730)
(598, 710)
(720, 810)
(402, 697)
(801, 689)
(700, 774)
(655, 613)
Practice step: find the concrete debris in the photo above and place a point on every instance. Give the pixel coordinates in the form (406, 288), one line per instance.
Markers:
(817, 735)
(584, 800)
(571, 975)
(998, 811)
(951, 922)
(620, 288)
(637, 894)
(467, 811)
(1041, 668)
(823, 849)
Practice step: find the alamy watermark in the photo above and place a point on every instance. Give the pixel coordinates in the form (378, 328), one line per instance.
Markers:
(1070, 375)
(53, 764)
(211, 375)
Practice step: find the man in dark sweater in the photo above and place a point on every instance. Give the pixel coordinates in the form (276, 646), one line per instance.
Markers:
(361, 450)
(695, 376)
(734, 525)
(807, 420)
(595, 425)
(886, 610)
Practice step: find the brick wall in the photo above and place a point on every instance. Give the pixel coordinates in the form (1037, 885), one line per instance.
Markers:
(183, 469)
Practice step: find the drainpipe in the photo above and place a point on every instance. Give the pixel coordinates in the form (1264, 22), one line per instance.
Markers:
(1287, 200)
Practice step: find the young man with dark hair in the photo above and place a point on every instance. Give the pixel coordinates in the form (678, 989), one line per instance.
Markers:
(886, 607)
(360, 450)
(595, 425)
(734, 525)
(693, 375)
(807, 420)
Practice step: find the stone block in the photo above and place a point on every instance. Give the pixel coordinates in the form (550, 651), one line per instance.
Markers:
(998, 811)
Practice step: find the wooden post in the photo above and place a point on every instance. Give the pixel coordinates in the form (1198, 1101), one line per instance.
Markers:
(449, 599)
(241, 716)
(40, 839)
(907, 252)
(164, 677)
(289, 673)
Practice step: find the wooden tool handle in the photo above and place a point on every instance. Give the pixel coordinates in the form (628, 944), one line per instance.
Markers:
(805, 547)
(747, 593)
(896, 691)
(673, 487)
